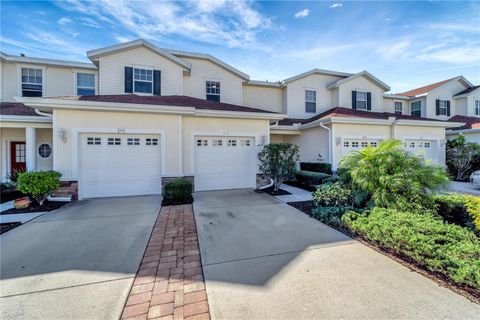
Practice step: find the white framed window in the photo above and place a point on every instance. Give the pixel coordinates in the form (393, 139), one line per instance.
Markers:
(212, 90)
(412, 144)
(362, 100)
(151, 141)
(354, 144)
(416, 108)
(477, 107)
(85, 83)
(32, 82)
(20, 152)
(364, 144)
(373, 144)
(346, 144)
(45, 150)
(142, 80)
(310, 101)
(94, 140)
(398, 107)
(114, 141)
(133, 141)
(202, 142)
(427, 144)
(232, 143)
(442, 107)
(217, 142)
(245, 143)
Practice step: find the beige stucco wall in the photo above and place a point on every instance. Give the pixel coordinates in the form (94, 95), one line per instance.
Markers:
(112, 70)
(470, 100)
(43, 135)
(461, 106)
(295, 94)
(259, 129)
(261, 97)
(444, 92)
(360, 84)
(469, 136)
(194, 85)
(9, 81)
(311, 143)
(389, 105)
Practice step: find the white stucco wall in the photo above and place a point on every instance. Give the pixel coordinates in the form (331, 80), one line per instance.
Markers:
(389, 105)
(469, 136)
(261, 97)
(194, 85)
(112, 70)
(470, 101)
(444, 92)
(461, 106)
(360, 84)
(311, 142)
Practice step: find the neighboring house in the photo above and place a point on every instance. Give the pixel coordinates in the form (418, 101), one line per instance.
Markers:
(139, 115)
(468, 111)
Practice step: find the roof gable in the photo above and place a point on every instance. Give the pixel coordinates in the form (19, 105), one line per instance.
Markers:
(467, 91)
(426, 89)
(316, 71)
(364, 74)
(97, 53)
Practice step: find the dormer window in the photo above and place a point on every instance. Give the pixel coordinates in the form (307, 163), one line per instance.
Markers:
(85, 84)
(416, 109)
(361, 100)
(213, 91)
(398, 107)
(142, 81)
(310, 101)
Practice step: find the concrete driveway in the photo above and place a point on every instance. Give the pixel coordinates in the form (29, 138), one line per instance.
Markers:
(77, 262)
(263, 259)
(464, 187)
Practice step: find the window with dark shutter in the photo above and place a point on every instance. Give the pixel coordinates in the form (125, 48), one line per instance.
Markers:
(128, 80)
(442, 107)
(354, 99)
(448, 108)
(369, 101)
(157, 82)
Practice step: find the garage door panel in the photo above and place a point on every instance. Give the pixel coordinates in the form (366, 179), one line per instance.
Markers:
(223, 165)
(121, 169)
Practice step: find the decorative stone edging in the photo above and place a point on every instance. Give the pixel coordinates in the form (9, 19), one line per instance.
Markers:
(169, 283)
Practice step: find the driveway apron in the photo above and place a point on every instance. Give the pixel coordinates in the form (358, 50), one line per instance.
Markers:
(77, 262)
(263, 259)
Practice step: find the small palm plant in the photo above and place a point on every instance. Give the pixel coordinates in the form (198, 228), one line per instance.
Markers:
(393, 176)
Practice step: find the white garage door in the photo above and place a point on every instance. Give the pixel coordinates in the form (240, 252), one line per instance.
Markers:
(357, 144)
(119, 165)
(427, 148)
(224, 163)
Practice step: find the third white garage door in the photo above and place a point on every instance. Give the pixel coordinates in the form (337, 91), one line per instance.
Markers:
(225, 163)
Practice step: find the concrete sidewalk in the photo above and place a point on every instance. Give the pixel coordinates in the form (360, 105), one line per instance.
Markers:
(464, 187)
(77, 262)
(263, 259)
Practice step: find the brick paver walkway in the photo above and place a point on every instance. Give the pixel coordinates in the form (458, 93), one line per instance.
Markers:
(169, 283)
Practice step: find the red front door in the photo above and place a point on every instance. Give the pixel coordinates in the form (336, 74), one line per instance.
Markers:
(17, 156)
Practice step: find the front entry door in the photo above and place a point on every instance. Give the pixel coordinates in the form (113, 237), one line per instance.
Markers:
(17, 156)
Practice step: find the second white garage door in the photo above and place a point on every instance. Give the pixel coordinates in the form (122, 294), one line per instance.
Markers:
(225, 163)
(119, 165)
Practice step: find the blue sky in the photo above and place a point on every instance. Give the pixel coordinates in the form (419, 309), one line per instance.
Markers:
(406, 44)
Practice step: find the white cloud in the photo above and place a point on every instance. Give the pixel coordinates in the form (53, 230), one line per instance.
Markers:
(123, 39)
(460, 55)
(63, 21)
(388, 19)
(234, 23)
(336, 5)
(394, 50)
(75, 34)
(302, 13)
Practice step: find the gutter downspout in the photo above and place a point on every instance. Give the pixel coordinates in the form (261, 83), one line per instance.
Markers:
(330, 147)
(43, 113)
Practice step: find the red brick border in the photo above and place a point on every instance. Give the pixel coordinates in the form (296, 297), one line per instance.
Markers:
(169, 283)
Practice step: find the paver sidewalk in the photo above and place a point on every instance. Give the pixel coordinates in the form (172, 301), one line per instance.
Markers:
(169, 283)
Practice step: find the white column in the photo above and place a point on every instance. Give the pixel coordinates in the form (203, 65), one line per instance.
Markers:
(30, 149)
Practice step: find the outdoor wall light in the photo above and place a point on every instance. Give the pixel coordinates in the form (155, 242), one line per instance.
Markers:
(62, 134)
(338, 140)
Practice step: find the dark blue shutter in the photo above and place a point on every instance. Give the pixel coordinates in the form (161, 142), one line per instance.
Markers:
(157, 82)
(437, 107)
(128, 80)
(369, 101)
(448, 108)
(354, 99)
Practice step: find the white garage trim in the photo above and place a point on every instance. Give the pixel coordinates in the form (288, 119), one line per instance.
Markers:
(77, 131)
(218, 134)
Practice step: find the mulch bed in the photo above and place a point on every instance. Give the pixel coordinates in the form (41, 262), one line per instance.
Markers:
(35, 207)
(10, 194)
(463, 290)
(270, 191)
(294, 183)
(4, 227)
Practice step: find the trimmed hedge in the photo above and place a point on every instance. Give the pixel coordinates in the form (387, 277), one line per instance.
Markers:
(38, 184)
(440, 247)
(177, 192)
(316, 167)
(460, 209)
(308, 178)
(332, 195)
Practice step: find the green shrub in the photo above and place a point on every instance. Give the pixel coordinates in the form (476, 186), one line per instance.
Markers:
(38, 184)
(332, 195)
(308, 178)
(394, 177)
(460, 209)
(13, 177)
(316, 167)
(440, 247)
(278, 161)
(330, 215)
(331, 179)
(178, 191)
